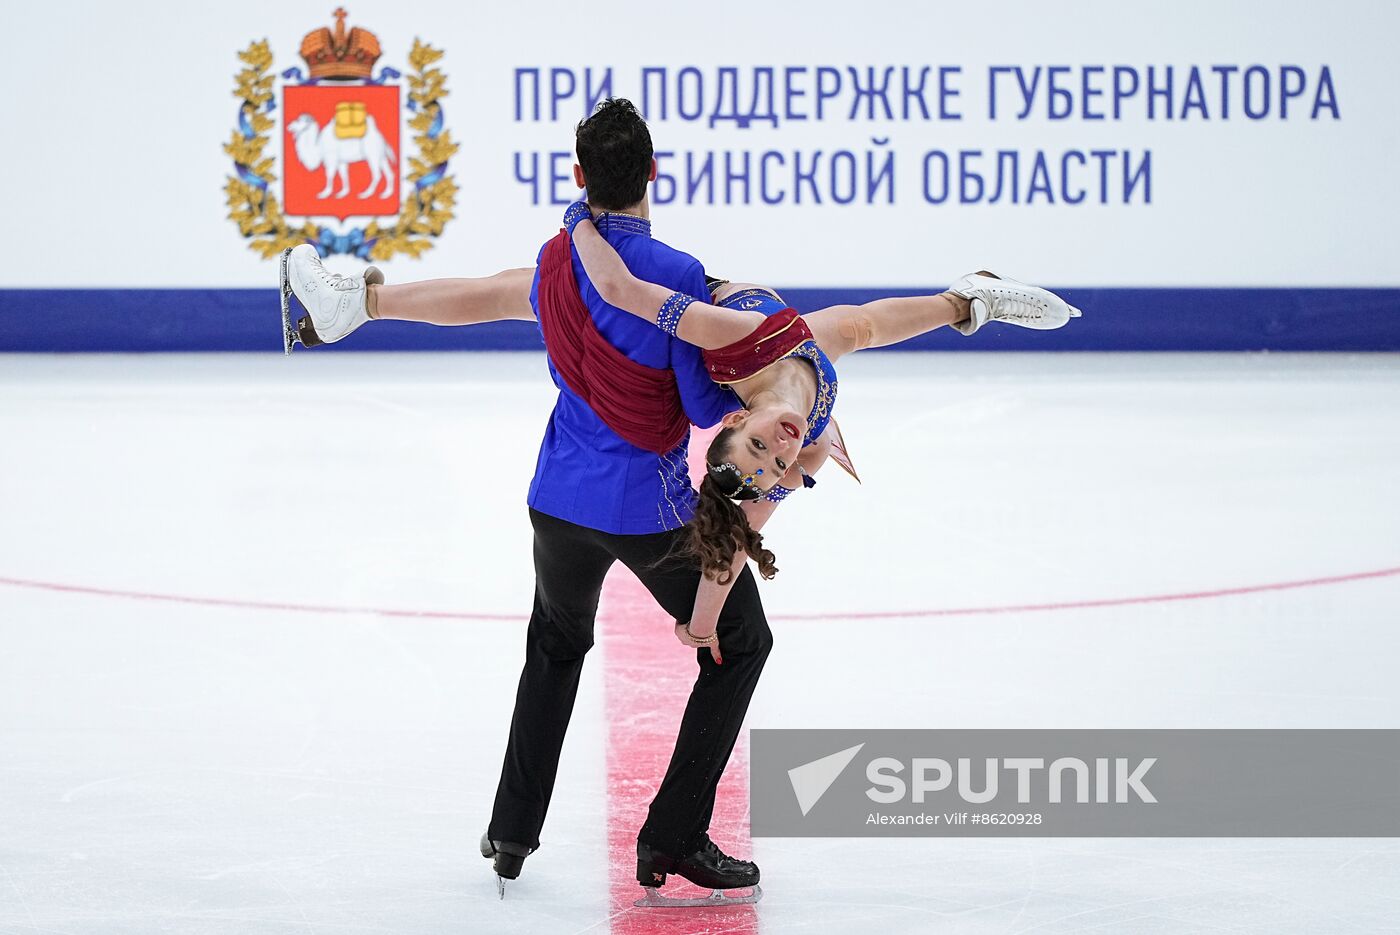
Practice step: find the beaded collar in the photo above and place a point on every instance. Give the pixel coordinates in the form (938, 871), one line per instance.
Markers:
(613, 221)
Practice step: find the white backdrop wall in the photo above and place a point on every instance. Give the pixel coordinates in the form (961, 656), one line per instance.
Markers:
(115, 116)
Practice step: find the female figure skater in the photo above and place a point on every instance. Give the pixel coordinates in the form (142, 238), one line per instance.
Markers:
(778, 364)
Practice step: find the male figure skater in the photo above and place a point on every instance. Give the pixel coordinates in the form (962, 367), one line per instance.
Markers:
(611, 484)
(598, 498)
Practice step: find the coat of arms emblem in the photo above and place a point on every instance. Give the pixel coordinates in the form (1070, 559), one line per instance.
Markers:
(342, 186)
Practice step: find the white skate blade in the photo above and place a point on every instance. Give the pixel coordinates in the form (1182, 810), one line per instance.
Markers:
(500, 886)
(289, 334)
(654, 900)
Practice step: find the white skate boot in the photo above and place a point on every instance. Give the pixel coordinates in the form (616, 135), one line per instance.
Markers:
(335, 304)
(997, 299)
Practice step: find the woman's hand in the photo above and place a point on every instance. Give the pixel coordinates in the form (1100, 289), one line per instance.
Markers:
(576, 213)
(700, 636)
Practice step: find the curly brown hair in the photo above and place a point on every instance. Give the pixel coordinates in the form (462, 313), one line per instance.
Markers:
(720, 528)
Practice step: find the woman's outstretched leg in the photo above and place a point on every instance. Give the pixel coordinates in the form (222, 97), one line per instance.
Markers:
(336, 305)
(842, 329)
(447, 302)
(971, 302)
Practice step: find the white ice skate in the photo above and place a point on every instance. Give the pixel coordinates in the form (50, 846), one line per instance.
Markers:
(335, 304)
(997, 299)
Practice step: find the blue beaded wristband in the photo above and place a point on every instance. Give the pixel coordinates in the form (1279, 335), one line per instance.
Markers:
(777, 493)
(669, 318)
(574, 214)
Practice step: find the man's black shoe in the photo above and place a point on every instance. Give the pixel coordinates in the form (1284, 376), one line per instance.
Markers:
(707, 866)
(506, 856)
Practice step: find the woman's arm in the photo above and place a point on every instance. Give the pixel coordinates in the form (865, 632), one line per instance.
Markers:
(702, 324)
(711, 595)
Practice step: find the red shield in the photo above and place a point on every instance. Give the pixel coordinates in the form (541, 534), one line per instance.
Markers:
(340, 146)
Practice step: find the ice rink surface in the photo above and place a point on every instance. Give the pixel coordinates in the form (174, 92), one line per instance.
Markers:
(261, 621)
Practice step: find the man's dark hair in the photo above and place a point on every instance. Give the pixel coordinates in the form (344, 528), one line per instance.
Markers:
(614, 149)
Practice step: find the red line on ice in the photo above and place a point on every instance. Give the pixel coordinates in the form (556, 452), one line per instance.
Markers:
(37, 585)
(249, 605)
(1102, 602)
(647, 678)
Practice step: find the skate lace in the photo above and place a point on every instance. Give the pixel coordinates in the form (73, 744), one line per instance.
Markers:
(711, 849)
(335, 281)
(1016, 306)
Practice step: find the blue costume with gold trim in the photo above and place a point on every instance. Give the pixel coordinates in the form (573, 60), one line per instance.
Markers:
(767, 303)
(782, 335)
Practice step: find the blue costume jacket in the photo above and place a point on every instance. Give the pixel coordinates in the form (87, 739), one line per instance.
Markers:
(586, 474)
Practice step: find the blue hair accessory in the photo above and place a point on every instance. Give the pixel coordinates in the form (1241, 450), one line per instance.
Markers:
(740, 485)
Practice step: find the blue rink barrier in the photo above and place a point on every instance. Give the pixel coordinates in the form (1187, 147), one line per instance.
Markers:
(137, 320)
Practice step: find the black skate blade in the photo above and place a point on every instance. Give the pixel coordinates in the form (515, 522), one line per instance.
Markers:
(654, 900)
(289, 334)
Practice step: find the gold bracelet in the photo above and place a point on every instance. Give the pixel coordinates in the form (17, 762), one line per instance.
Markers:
(703, 640)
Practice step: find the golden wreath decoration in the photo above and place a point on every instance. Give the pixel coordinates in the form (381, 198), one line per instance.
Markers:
(427, 207)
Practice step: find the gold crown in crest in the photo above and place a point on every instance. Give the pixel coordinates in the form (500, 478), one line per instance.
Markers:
(340, 54)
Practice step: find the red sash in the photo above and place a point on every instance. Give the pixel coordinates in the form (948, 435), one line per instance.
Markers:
(767, 344)
(640, 403)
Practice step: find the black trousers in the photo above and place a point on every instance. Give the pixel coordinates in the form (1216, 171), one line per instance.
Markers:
(570, 564)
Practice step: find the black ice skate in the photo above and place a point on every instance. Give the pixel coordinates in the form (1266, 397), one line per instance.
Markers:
(708, 866)
(507, 858)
